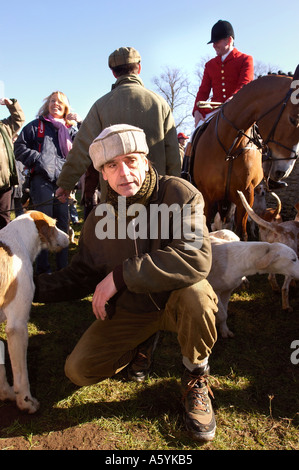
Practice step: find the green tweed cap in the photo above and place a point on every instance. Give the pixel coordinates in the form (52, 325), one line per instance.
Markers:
(123, 56)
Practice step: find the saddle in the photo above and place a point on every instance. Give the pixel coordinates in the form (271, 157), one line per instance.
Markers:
(187, 167)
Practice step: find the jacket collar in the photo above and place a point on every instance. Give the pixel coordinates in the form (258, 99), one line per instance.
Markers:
(131, 78)
(232, 55)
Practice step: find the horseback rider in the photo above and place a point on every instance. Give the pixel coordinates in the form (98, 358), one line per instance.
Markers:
(225, 74)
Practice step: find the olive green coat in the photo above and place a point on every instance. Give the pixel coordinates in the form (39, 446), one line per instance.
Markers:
(129, 102)
(11, 126)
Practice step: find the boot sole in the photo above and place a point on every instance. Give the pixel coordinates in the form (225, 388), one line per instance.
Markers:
(203, 436)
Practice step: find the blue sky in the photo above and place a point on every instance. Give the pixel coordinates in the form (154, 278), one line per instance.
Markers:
(65, 44)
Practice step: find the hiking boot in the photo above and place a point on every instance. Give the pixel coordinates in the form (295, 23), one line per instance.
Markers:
(140, 367)
(199, 414)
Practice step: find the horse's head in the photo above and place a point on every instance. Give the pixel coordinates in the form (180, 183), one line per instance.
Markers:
(280, 131)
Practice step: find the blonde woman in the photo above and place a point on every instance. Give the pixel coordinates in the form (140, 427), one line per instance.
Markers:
(42, 147)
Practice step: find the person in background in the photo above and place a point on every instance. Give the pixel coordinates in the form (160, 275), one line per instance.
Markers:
(18, 192)
(90, 189)
(134, 278)
(225, 74)
(128, 102)
(9, 128)
(182, 140)
(42, 147)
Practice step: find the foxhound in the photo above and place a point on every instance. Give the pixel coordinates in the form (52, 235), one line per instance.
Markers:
(233, 259)
(20, 243)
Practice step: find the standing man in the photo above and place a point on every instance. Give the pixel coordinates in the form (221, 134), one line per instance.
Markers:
(9, 128)
(226, 73)
(182, 140)
(147, 272)
(131, 103)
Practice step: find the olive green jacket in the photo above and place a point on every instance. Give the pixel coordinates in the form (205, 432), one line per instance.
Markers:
(11, 126)
(129, 102)
(146, 269)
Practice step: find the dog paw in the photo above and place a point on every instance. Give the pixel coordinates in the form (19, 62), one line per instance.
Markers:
(225, 332)
(287, 309)
(28, 403)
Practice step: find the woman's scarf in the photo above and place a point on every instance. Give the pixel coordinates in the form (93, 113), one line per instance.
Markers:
(64, 138)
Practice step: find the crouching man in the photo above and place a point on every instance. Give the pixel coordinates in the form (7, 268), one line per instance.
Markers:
(145, 255)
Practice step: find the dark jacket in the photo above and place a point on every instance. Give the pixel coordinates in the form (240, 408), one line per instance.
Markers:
(150, 267)
(41, 155)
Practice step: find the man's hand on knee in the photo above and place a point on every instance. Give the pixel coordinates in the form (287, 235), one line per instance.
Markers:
(103, 293)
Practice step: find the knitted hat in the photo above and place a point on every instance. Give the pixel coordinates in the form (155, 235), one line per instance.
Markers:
(124, 56)
(120, 139)
(221, 30)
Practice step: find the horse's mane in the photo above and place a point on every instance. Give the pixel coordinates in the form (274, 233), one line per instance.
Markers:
(280, 73)
(262, 81)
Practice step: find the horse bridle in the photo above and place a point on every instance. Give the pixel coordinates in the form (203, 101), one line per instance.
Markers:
(270, 138)
(256, 138)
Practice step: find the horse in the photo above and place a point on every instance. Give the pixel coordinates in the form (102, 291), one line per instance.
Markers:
(261, 119)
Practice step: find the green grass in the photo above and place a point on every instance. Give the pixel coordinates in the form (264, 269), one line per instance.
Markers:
(255, 385)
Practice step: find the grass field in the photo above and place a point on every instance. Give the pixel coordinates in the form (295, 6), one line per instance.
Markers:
(254, 381)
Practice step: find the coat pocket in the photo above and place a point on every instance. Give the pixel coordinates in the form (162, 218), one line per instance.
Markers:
(49, 163)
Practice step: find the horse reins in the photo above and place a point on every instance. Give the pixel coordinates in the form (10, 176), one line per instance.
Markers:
(230, 158)
(240, 132)
(255, 139)
(270, 138)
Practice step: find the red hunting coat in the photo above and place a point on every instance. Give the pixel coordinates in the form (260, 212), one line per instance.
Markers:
(224, 78)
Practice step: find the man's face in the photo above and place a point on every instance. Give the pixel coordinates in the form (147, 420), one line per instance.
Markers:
(183, 141)
(222, 47)
(126, 173)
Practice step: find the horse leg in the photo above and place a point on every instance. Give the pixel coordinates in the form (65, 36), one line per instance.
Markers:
(241, 221)
(209, 212)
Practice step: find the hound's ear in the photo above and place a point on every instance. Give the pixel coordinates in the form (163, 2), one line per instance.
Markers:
(266, 259)
(44, 224)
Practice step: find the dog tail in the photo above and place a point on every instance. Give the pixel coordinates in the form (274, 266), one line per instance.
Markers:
(261, 222)
(278, 207)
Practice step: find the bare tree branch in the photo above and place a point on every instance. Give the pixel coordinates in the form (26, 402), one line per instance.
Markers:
(173, 84)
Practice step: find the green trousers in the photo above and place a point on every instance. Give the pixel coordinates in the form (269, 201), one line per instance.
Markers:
(110, 345)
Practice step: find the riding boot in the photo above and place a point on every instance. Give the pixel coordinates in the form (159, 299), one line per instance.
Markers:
(185, 174)
(186, 167)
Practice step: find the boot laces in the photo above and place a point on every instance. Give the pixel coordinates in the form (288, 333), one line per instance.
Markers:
(197, 387)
